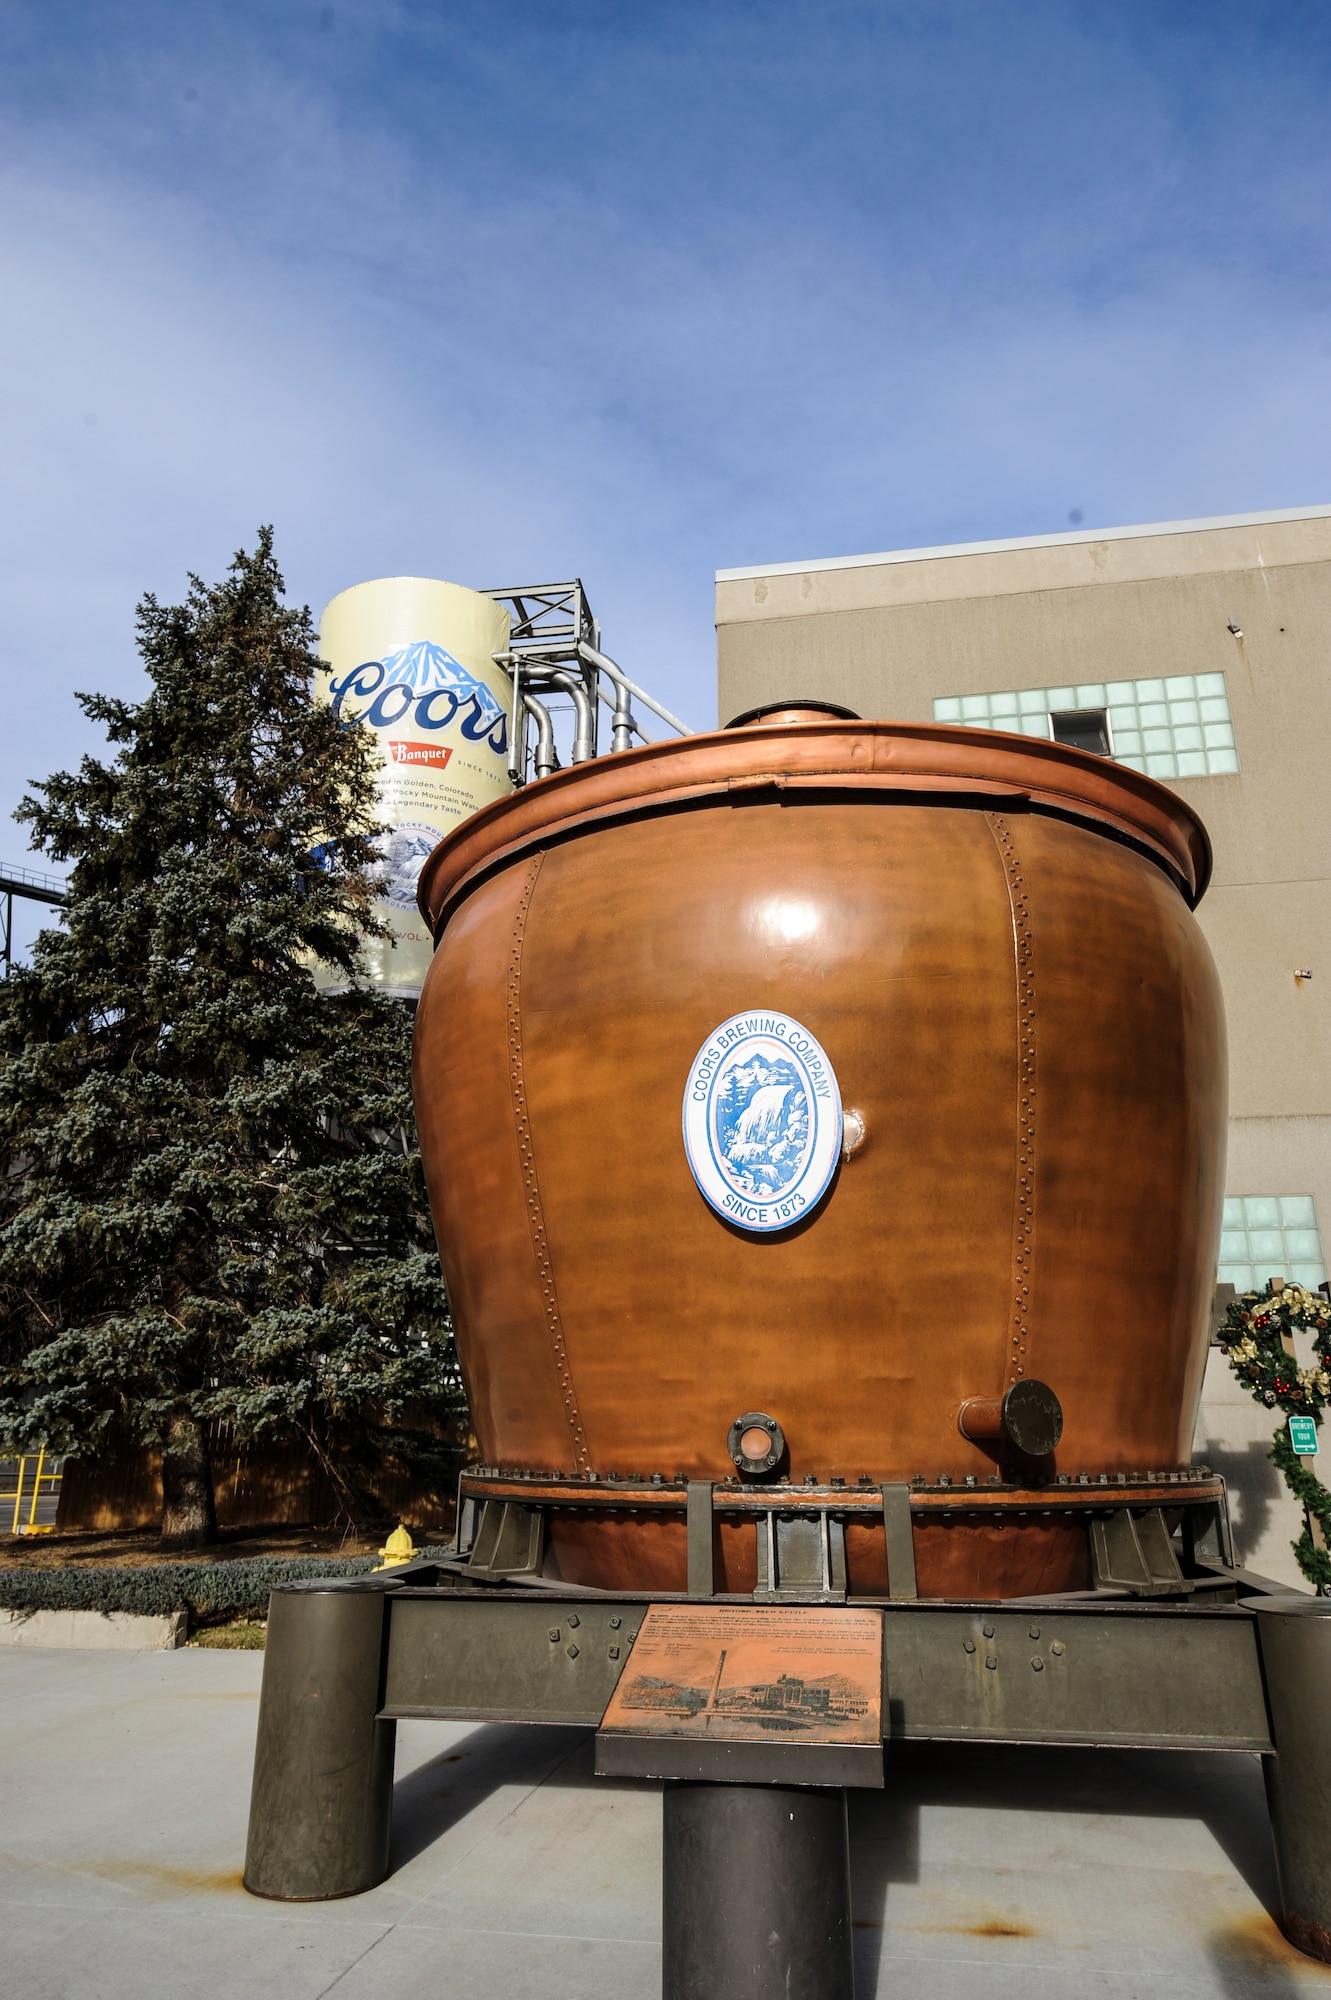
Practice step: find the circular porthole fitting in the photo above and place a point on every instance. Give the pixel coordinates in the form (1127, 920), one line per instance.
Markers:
(757, 1444)
(1032, 1418)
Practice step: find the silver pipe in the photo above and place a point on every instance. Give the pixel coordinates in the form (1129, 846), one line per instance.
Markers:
(512, 664)
(517, 733)
(608, 666)
(612, 701)
(584, 741)
(621, 724)
(546, 759)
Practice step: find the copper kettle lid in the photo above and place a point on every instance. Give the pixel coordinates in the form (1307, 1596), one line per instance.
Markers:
(815, 750)
(799, 708)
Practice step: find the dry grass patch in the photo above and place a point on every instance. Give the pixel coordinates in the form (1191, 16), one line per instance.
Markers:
(247, 1635)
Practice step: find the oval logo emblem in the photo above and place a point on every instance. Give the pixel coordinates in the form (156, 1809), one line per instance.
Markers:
(762, 1120)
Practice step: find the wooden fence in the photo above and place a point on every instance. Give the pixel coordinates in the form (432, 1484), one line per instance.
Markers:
(267, 1484)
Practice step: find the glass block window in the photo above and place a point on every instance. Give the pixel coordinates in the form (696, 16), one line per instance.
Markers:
(1270, 1236)
(1177, 727)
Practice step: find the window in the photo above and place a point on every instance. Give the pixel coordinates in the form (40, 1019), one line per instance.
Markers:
(1082, 729)
(1270, 1236)
(1175, 727)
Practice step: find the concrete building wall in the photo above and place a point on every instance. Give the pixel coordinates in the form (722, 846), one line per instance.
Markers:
(1248, 598)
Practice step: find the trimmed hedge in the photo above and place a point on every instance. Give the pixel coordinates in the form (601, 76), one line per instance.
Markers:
(210, 1592)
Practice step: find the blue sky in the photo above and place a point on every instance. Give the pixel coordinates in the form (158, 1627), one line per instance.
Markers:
(505, 292)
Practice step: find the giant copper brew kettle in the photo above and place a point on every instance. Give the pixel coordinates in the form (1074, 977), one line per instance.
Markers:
(991, 938)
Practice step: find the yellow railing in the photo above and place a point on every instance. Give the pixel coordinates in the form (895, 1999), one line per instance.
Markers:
(31, 1474)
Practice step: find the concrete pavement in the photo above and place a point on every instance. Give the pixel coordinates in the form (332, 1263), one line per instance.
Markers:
(1007, 1874)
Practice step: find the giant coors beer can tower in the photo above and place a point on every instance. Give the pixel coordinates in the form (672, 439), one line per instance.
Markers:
(413, 658)
(819, 1107)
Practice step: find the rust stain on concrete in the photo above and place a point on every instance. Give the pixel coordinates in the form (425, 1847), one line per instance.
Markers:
(995, 1927)
(1258, 1942)
(158, 1879)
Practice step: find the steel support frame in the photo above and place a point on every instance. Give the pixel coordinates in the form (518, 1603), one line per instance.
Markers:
(34, 887)
(554, 650)
(346, 1659)
(800, 1531)
(552, 631)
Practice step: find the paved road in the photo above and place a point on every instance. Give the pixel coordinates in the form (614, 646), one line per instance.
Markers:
(979, 1874)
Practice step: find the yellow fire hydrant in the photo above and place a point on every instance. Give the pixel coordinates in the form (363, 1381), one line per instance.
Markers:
(399, 1548)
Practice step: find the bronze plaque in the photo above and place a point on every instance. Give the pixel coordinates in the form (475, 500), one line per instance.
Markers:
(748, 1674)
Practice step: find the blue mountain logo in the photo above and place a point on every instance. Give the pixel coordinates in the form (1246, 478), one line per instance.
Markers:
(422, 666)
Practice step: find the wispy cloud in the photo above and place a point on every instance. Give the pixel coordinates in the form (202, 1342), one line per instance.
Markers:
(497, 291)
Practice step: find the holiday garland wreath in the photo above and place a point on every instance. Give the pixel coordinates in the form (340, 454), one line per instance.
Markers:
(1253, 1338)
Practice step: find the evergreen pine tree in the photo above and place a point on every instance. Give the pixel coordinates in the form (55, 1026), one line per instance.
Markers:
(212, 1207)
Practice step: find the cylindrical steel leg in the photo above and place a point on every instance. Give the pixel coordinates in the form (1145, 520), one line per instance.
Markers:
(323, 1767)
(1295, 1637)
(756, 1894)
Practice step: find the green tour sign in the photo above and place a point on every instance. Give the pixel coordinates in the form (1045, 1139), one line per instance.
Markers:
(1303, 1436)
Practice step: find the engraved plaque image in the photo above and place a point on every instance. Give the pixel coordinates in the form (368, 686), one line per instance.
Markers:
(735, 1673)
